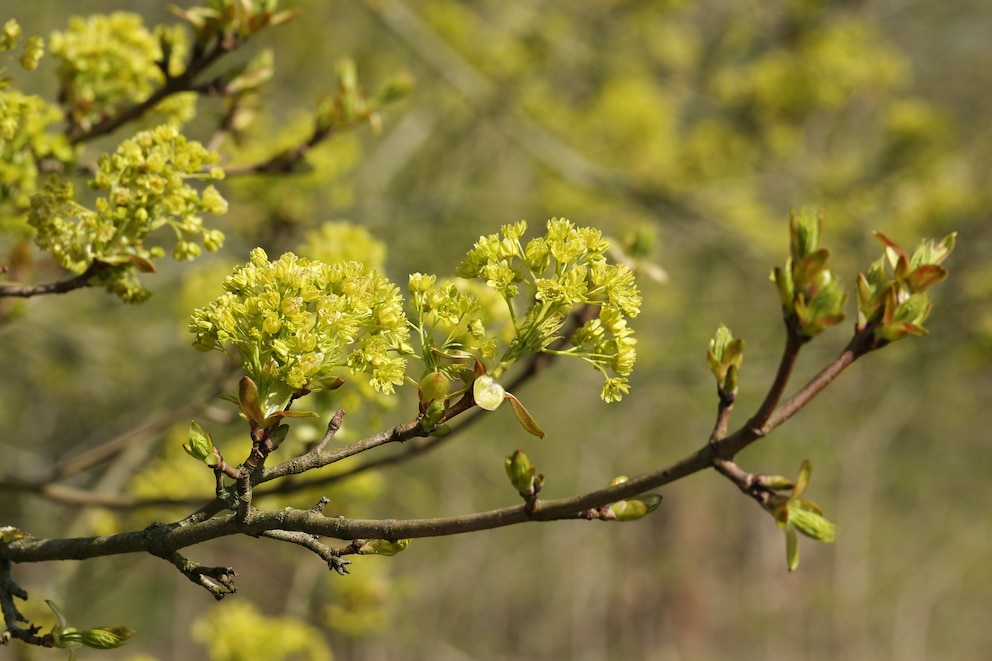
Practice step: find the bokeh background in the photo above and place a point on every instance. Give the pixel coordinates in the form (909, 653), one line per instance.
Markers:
(699, 123)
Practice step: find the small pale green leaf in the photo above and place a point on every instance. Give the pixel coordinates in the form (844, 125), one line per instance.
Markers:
(780, 483)
(791, 548)
(805, 473)
(807, 518)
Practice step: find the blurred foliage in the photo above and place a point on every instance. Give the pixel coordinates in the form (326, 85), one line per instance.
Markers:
(237, 631)
(707, 121)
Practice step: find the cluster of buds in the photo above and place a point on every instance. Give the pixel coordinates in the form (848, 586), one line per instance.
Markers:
(145, 185)
(896, 305)
(811, 295)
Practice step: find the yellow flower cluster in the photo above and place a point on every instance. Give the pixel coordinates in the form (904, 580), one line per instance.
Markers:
(560, 271)
(297, 325)
(145, 186)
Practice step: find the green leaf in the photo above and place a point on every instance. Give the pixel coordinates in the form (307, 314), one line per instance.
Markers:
(805, 473)
(805, 232)
(807, 518)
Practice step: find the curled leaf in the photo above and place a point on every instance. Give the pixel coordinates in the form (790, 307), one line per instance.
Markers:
(524, 417)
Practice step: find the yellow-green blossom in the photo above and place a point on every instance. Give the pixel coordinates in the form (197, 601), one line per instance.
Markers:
(26, 138)
(145, 186)
(107, 62)
(296, 325)
(547, 279)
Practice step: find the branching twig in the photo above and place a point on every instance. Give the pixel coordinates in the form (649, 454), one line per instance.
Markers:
(331, 556)
(218, 581)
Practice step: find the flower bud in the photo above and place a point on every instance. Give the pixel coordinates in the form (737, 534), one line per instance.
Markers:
(434, 387)
(779, 483)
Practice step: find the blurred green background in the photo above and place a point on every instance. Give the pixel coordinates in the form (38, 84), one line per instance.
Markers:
(704, 122)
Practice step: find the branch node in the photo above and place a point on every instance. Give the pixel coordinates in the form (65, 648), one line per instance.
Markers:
(218, 581)
(318, 508)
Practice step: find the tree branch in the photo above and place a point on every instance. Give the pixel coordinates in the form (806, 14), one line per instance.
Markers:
(60, 287)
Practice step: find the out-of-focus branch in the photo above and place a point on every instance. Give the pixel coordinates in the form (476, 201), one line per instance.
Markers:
(530, 137)
(59, 287)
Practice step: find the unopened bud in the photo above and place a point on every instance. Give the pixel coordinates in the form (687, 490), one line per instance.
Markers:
(434, 387)
(633, 509)
(383, 547)
(521, 473)
(199, 445)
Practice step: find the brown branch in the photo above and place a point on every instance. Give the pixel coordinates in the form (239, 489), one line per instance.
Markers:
(311, 542)
(793, 343)
(161, 539)
(59, 287)
(729, 447)
(218, 581)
